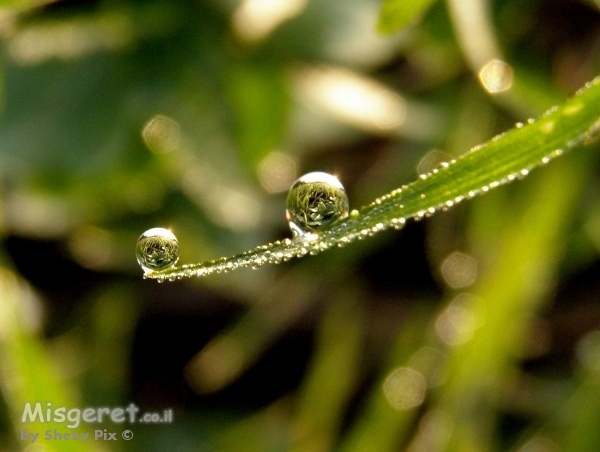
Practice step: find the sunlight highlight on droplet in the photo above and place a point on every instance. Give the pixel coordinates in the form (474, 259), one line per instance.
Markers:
(459, 270)
(256, 19)
(352, 98)
(432, 160)
(161, 134)
(277, 171)
(405, 388)
(496, 76)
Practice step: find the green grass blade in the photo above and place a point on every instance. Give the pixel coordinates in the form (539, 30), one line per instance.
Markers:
(505, 158)
(397, 14)
(28, 375)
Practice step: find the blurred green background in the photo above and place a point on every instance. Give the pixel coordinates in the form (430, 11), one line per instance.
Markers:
(474, 330)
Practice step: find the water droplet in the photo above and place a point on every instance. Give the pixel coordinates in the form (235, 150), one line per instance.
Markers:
(157, 249)
(315, 200)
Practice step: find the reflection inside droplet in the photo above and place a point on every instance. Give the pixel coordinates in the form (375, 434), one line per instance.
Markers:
(157, 249)
(496, 76)
(314, 201)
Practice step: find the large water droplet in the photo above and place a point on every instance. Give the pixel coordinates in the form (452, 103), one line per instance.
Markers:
(157, 249)
(315, 200)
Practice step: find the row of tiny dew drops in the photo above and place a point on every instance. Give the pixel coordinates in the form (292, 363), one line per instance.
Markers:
(314, 202)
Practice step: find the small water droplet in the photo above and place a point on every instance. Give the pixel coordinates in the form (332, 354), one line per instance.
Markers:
(157, 249)
(314, 201)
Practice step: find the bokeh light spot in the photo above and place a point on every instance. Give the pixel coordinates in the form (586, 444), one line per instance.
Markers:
(456, 324)
(459, 270)
(161, 134)
(352, 98)
(277, 172)
(405, 388)
(496, 76)
(254, 20)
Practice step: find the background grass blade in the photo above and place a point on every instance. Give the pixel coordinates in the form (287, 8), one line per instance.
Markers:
(397, 14)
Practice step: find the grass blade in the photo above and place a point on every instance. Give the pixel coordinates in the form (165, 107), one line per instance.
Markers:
(397, 14)
(503, 159)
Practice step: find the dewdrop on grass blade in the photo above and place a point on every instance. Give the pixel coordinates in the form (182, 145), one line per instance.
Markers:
(317, 204)
(157, 249)
(316, 200)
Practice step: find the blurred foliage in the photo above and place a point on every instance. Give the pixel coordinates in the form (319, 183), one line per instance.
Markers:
(475, 329)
